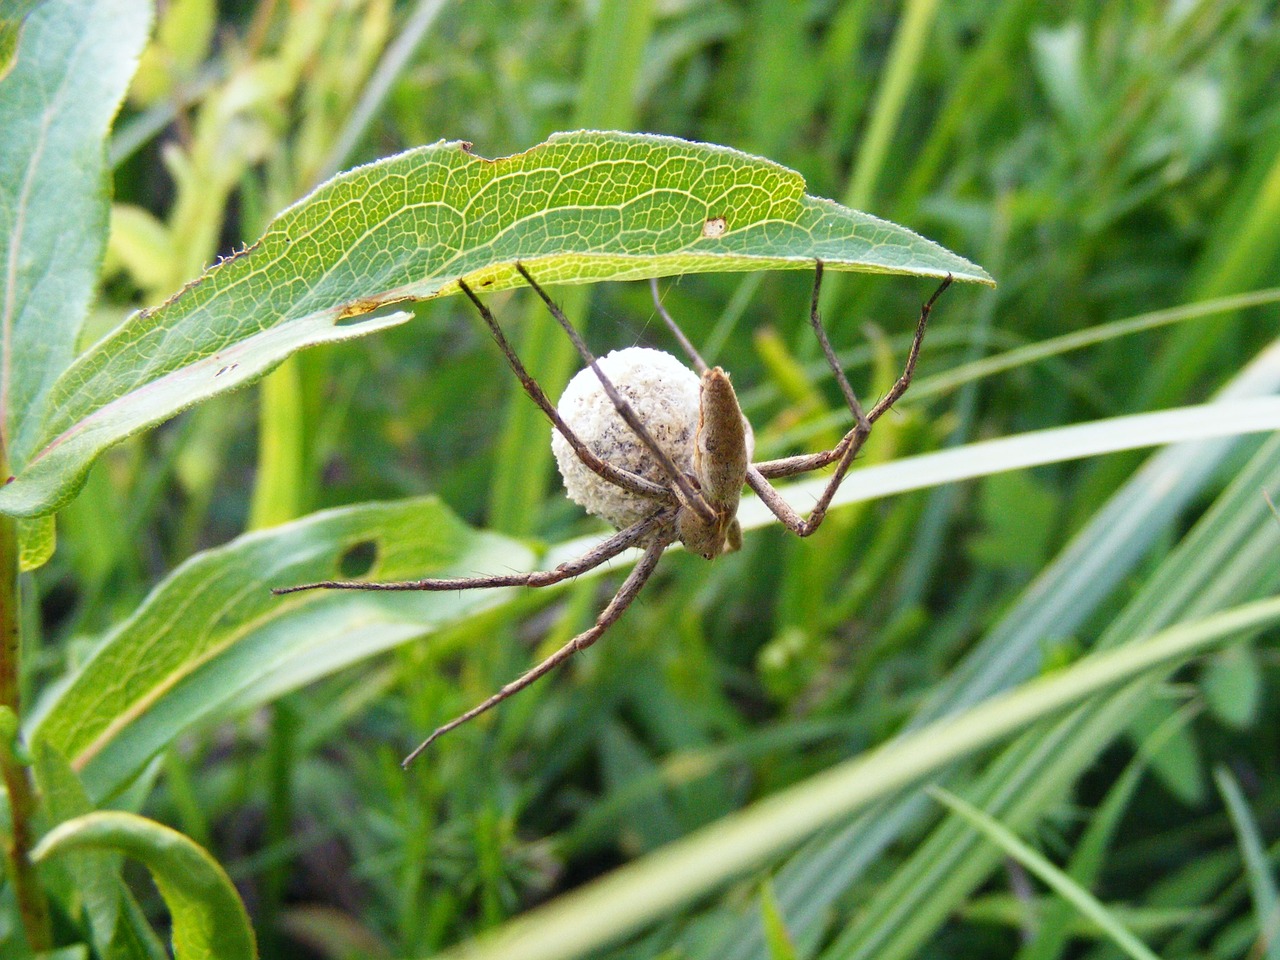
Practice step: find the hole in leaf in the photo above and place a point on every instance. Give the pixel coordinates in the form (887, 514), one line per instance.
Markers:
(714, 227)
(59, 603)
(358, 559)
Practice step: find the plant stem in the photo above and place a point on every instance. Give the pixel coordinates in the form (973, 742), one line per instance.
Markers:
(26, 885)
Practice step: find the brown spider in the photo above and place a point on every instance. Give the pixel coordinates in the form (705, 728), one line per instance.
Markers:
(695, 503)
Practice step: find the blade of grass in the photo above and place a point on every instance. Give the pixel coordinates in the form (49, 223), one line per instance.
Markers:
(1057, 602)
(1062, 884)
(779, 940)
(392, 63)
(1033, 774)
(279, 481)
(1239, 255)
(780, 77)
(901, 68)
(1079, 339)
(900, 72)
(1036, 448)
(1266, 902)
(980, 88)
(1228, 557)
(1056, 920)
(641, 892)
(941, 384)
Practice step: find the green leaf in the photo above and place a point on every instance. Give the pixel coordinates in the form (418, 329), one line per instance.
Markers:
(580, 208)
(209, 921)
(211, 637)
(95, 874)
(116, 925)
(37, 539)
(1017, 514)
(56, 106)
(1178, 762)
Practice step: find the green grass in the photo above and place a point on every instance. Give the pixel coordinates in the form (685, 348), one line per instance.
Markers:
(1115, 167)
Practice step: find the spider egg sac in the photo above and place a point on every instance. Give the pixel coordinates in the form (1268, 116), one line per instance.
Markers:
(665, 394)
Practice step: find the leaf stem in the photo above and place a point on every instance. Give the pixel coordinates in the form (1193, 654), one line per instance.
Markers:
(22, 804)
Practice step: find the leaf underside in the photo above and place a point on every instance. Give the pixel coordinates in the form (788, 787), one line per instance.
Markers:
(582, 207)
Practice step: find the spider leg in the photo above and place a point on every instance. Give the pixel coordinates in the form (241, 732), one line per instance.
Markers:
(698, 363)
(815, 321)
(844, 452)
(615, 475)
(861, 422)
(689, 495)
(602, 552)
(616, 607)
(790, 466)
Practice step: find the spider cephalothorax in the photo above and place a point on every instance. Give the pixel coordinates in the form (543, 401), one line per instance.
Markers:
(661, 453)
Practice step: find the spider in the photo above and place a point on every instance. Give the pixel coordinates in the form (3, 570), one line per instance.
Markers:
(655, 500)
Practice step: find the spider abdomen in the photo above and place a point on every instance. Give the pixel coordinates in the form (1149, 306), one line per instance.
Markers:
(664, 393)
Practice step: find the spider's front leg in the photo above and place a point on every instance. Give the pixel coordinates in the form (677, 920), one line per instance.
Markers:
(622, 478)
(844, 452)
(686, 492)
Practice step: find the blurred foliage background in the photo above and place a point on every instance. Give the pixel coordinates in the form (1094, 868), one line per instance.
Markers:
(1101, 160)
